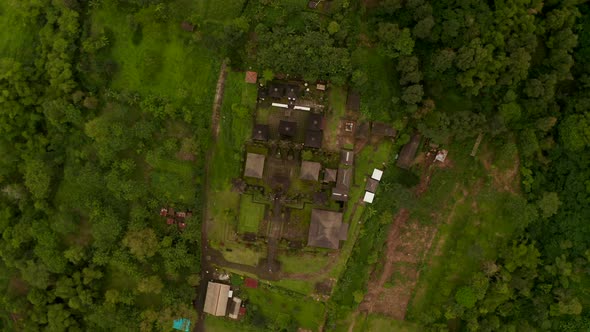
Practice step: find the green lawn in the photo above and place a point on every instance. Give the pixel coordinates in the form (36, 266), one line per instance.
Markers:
(375, 323)
(17, 33)
(276, 305)
(174, 179)
(303, 263)
(250, 215)
(156, 58)
(482, 219)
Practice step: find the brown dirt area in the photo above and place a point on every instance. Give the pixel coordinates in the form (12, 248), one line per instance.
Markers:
(407, 243)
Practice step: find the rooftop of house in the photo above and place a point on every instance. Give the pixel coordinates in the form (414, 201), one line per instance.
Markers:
(254, 165)
(251, 77)
(408, 152)
(315, 122)
(382, 129)
(216, 299)
(313, 139)
(310, 170)
(325, 230)
(287, 128)
(260, 132)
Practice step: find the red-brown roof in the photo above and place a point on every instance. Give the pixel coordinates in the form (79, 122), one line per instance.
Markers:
(251, 283)
(251, 77)
(181, 225)
(242, 311)
(170, 221)
(163, 211)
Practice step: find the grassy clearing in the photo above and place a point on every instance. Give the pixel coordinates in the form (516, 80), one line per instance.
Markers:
(371, 323)
(242, 255)
(476, 218)
(17, 33)
(274, 305)
(223, 324)
(156, 58)
(174, 180)
(382, 85)
(250, 215)
(295, 263)
(235, 130)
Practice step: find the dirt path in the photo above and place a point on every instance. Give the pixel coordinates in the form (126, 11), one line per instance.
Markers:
(376, 287)
(218, 101)
(206, 253)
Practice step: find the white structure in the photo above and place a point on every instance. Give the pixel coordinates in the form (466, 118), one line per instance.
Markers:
(369, 197)
(302, 108)
(280, 105)
(377, 174)
(441, 155)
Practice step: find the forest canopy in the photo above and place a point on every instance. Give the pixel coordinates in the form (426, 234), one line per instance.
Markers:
(96, 139)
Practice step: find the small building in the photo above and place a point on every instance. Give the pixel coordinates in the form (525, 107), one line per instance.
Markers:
(302, 108)
(181, 214)
(315, 122)
(287, 128)
(377, 174)
(163, 212)
(320, 198)
(383, 130)
(353, 101)
(343, 181)
(251, 77)
(170, 221)
(441, 156)
(292, 92)
(310, 170)
(171, 212)
(234, 308)
(349, 126)
(189, 214)
(330, 175)
(406, 155)
(346, 157)
(254, 165)
(362, 131)
(260, 132)
(251, 283)
(313, 139)
(276, 91)
(320, 86)
(186, 26)
(280, 105)
(326, 229)
(216, 299)
(371, 185)
(369, 197)
(182, 225)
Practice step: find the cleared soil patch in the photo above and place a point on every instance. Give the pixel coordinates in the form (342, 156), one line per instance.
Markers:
(407, 243)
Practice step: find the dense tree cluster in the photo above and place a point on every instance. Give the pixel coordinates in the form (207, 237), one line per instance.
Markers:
(77, 253)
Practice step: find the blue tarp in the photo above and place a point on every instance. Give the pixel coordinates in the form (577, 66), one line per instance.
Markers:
(182, 324)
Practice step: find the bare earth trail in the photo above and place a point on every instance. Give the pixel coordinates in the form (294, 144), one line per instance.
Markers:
(206, 263)
(408, 242)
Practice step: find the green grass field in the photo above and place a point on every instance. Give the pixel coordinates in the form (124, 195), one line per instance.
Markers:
(155, 58)
(476, 218)
(250, 215)
(174, 179)
(274, 305)
(375, 323)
